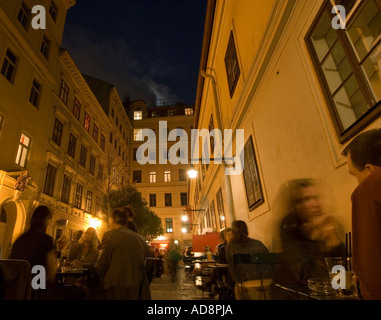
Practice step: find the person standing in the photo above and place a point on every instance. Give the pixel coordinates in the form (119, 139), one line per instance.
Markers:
(121, 265)
(37, 247)
(364, 163)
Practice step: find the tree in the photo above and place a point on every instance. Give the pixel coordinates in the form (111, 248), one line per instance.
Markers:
(148, 223)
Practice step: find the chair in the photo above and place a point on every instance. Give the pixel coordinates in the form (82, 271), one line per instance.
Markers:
(259, 289)
(17, 279)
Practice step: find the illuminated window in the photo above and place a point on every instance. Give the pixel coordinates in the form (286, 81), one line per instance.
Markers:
(152, 177)
(138, 135)
(87, 121)
(169, 225)
(167, 176)
(23, 150)
(188, 111)
(220, 208)
(138, 115)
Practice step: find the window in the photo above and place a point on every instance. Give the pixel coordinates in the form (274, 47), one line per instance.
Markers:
(35, 93)
(45, 47)
(53, 11)
(137, 176)
(171, 113)
(168, 199)
(97, 205)
(9, 66)
(152, 200)
(49, 180)
(77, 109)
(83, 156)
(64, 91)
(169, 225)
(220, 208)
(65, 195)
(95, 132)
(72, 145)
(24, 16)
(348, 66)
(78, 196)
(184, 198)
(182, 175)
(23, 150)
(57, 132)
(89, 201)
(251, 176)
(188, 111)
(138, 135)
(152, 177)
(100, 172)
(167, 176)
(138, 115)
(86, 123)
(232, 66)
(103, 142)
(92, 165)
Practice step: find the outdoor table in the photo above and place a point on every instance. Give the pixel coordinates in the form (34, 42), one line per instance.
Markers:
(69, 279)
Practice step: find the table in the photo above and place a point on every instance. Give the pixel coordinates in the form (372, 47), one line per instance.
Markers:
(72, 282)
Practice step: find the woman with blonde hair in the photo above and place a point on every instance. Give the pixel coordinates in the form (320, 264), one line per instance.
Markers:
(85, 252)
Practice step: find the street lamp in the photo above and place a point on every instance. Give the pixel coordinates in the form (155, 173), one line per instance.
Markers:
(192, 173)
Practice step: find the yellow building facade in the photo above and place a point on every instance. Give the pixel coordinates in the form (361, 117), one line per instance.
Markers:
(300, 89)
(55, 133)
(163, 186)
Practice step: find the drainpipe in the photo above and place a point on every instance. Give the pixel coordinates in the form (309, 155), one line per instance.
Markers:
(217, 112)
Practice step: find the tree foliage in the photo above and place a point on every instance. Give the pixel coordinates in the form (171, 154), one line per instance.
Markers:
(148, 223)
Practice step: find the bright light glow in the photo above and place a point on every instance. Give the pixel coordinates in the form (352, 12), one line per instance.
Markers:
(184, 218)
(161, 238)
(95, 223)
(176, 241)
(184, 230)
(192, 173)
(163, 245)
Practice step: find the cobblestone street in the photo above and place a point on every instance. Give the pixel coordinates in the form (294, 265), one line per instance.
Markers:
(183, 289)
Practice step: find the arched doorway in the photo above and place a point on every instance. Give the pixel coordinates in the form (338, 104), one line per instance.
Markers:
(12, 223)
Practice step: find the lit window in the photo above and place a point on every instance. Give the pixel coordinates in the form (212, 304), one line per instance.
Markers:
(138, 135)
(169, 225)
(152, 177)
(23, 150)
(167, 176)
(138, 115)
(86, 123)
(188, 111)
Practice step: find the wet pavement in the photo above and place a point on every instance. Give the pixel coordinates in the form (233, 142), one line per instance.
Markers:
(184, 288)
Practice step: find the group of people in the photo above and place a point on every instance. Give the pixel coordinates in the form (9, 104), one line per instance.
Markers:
(117, 267)
(309, 232)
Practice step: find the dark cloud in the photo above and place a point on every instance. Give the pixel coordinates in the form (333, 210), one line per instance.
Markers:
(148, 49)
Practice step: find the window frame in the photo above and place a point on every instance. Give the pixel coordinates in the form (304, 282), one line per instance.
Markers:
(35, 93)
(231, 62)
(57, 132)
(21, 149)
(374, 111)
(66, 188)
(50, 177)
(9, 63)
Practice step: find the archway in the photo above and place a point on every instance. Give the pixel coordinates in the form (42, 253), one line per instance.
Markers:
(13, 222)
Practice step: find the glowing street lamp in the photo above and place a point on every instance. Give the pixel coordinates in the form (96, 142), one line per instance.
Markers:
(192, 173)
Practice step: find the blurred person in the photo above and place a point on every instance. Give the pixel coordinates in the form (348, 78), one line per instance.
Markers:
(130, 219)
(364, 163)
(173, 258)
(308, 233)
(242, 273)
(61, 244)
(225, 238)
(36, 246)
(121, 265)
(84, 253)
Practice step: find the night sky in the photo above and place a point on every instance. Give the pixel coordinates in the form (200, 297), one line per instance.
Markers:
(150, 49)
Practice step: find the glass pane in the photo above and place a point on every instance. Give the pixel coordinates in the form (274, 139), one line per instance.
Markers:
(24, 140)
(336, 67)
(365, 29)
(350, 103)
(324, 36)
(372, 69)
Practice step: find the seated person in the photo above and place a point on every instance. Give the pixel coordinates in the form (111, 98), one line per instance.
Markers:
(85, 252)
(241, 273)
(308, 233)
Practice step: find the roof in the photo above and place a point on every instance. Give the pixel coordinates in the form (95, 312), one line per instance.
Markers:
(101, 89)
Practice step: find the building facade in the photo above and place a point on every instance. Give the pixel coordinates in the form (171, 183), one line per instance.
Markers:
(161, 182)
(300, 87)
(57, 137)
